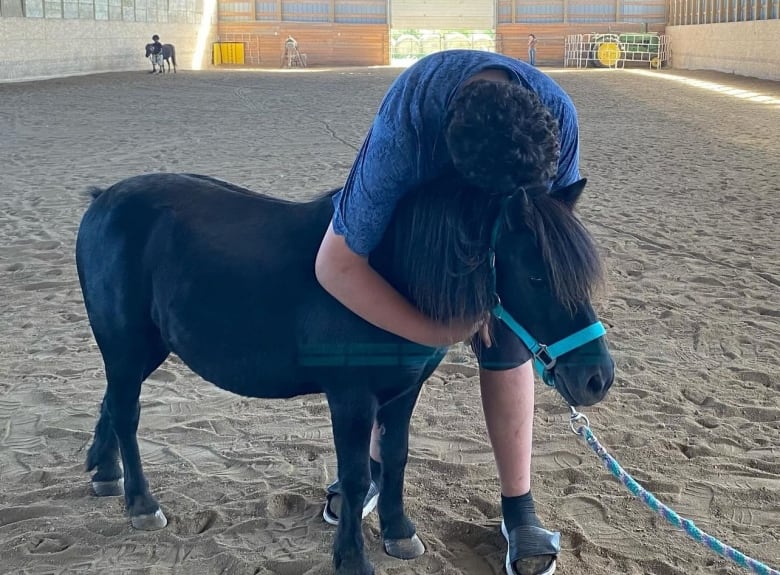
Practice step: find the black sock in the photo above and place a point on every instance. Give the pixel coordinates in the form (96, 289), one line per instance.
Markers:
(519, 511)
(376, 472)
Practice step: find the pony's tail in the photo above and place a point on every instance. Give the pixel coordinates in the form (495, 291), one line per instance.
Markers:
(173, 56)
(94, 192)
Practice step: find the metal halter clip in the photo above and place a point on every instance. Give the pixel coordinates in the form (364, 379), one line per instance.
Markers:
(544, 356)
(576, 417)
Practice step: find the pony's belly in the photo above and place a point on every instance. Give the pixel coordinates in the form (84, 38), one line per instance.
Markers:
(256, 351)
(262, 376)
(365, 355)
(243, 357)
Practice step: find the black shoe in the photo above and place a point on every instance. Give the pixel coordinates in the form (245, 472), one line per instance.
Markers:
(532, 548)
(333, 502)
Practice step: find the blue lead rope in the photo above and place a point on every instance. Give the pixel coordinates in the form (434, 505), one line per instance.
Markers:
(667, 513)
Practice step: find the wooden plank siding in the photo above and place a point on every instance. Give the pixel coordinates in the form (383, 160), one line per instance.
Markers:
(340, 11)
(325, 44)
(512, 39)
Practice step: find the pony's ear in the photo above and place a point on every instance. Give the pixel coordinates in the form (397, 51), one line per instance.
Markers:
(571, 193)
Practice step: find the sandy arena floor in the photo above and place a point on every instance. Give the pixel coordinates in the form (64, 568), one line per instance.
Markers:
(684, 200)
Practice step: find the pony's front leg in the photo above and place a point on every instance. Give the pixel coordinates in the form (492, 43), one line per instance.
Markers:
(352, 416)
(398, 532)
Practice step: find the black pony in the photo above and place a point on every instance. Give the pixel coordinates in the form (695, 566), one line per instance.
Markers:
(168, 55)
(224, 278)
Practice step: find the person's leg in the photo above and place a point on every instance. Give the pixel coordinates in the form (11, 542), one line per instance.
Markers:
(508, 404)
(376, 436)
(507, 388)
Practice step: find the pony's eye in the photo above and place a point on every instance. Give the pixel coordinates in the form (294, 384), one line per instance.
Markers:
(536, 279)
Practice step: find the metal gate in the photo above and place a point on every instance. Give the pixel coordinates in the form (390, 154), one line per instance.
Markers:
(411, 45)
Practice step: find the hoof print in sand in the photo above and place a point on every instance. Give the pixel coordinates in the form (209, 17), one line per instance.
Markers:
(47, 543)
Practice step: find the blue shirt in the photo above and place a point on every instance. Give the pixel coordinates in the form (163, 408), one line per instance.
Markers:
(404, 146)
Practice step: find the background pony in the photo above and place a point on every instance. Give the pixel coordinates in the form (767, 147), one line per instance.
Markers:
(168, 55)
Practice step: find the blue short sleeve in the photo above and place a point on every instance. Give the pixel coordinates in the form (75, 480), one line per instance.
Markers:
(384, 170)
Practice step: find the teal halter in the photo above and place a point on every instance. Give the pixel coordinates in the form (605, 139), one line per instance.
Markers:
(545, 356)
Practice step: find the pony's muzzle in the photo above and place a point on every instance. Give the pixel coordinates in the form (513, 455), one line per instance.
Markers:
(582, 383)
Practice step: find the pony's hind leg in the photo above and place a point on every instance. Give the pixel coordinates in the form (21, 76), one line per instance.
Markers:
(103, 456)
(398, 532)
(127, 366)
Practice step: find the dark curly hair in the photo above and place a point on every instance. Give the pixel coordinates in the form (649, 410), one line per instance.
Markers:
(501, 137)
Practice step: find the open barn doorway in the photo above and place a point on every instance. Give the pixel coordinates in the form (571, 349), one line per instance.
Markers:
(408, 46)
(422, 27)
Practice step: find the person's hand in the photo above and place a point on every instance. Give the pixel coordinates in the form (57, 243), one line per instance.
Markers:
(458, 330)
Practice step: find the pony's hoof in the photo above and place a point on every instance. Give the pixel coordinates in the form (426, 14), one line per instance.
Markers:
(111, 488)
(404, 548)
(150, 521)
(364, 569)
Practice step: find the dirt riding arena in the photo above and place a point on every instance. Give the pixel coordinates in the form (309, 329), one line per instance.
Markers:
(683, 200)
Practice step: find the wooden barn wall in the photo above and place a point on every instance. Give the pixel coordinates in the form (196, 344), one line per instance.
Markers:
(334, 11)
(356, 32)
(329, 32)
(325, 44)
(552, 20)
(512, 39)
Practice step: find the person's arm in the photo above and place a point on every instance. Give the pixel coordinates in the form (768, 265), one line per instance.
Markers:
(350, 279)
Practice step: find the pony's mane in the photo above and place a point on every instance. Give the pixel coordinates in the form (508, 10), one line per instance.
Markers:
(572, 260)
(440, 240)
(441, 235)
